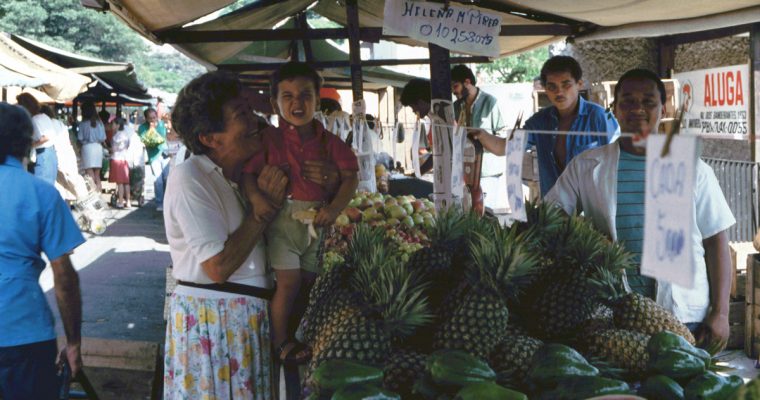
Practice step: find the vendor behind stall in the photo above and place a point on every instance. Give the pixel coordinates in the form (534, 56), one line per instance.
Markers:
(607, 184)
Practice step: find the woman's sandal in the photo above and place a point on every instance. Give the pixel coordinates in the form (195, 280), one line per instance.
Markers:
(298, 354)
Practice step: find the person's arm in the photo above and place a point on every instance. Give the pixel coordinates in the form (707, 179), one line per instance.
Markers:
(69, 301)
(263, 209)
(348, 184)
(715, 332)
(491, 143)
(238, 245)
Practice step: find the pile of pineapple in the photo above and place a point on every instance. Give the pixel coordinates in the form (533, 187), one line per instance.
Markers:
(498, 293)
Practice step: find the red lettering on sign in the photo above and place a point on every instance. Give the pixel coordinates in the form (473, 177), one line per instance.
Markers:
(723, 89)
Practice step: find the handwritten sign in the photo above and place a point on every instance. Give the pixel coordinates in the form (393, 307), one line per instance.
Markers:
(716, 100)
(669, 208)
(464, 29)
(515, 152)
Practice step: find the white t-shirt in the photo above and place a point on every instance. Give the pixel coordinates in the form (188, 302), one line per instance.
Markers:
(201, 210)
(43, 126)
(120, 145)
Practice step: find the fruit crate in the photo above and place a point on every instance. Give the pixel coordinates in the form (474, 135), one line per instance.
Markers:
(752, 311)
(736, 325)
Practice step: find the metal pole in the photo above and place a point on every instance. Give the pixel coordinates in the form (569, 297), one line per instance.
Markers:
(352, 16)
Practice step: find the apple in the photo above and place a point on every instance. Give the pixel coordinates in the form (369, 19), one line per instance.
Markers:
(370, 214)
(427, 214)
(418, 219)
(408, 221)
(378, 204)
(355, 202)
(365, 203)
(353, 213)
(429, 222)
(418, 205)
(397, 211)
(392, 221)
(347, 230)
(408, 207)
(342, 220)
(390, 201)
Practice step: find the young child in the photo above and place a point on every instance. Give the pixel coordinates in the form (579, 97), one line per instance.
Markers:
(292, 249)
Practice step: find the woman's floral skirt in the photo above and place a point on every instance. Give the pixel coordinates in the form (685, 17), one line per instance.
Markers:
(218, 349)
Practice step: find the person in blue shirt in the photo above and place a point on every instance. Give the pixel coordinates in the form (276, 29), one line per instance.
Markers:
(561, 77)
(35, 220)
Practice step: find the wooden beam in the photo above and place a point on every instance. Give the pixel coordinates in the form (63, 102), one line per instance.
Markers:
(754, 82)
(354, 51)
(373, 35)
(705, 35)
(177, 36)
(666, 56)
(440, 72)
(304, 27)
(343, 63)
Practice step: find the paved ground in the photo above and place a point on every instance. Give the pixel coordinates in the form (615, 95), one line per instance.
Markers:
(122, 277)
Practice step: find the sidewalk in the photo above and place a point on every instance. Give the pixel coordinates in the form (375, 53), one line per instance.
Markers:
(122, 277)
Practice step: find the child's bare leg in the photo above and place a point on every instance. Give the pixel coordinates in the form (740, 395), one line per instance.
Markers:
(288, 285)
(127, 195)
(300, 303)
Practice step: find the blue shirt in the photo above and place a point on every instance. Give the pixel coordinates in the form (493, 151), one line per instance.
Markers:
(34, 219)
(591, 118)
(629, 219)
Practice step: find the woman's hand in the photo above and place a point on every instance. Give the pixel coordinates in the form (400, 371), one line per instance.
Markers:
(272, 182)
(323, 173)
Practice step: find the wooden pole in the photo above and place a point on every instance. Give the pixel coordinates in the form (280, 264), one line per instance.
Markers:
(754, 82)
(666, 56)
(352, 16)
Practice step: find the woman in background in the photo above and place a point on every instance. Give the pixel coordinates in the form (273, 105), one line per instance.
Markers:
(46, 165)
(91, 136)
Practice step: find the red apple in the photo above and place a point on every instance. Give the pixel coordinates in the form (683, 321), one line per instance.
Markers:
(353, 213)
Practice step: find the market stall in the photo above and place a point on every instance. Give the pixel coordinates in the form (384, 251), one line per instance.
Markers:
(418, 300)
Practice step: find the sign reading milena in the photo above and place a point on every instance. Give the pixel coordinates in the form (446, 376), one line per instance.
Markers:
(716, 100)
(468, 30)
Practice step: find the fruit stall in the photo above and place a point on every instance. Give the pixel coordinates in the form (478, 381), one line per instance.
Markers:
(416, 304)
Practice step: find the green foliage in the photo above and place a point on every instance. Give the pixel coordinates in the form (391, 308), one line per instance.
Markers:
(67, 25)
(519, 68)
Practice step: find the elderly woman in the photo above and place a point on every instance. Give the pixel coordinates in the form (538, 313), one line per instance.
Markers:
(217, 339)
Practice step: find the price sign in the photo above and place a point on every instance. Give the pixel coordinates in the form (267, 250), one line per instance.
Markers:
(669, 208)
(464, 29)
(515, 152)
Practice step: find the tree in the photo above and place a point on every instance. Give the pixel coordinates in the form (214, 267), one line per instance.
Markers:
(66, 25)
(523, 67)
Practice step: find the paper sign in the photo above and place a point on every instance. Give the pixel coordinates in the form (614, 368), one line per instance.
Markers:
(458, 138)
(716, 100)
(515, 152)
(416, 149)
(442, 116)
(463, 29)
(366, 175)
(669, 208)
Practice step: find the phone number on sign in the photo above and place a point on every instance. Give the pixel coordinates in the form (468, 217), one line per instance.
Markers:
(455, 35)
(731, 127)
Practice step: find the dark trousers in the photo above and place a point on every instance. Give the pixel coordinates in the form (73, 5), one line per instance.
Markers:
(28, 372)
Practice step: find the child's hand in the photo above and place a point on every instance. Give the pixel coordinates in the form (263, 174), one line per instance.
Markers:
(326, 216)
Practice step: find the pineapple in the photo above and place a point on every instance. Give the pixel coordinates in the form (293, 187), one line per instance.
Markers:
(331, 291)
(402, 369)
(511, 358)
(621, 348)
(562, 299)
(635, 312)
(445, 236)
(479, 316)
(387, 305)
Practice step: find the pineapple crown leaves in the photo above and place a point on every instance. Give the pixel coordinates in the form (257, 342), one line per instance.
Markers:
(391, 292)
(608, 284)
(500, 262)
(449, 226)
(365, 242)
